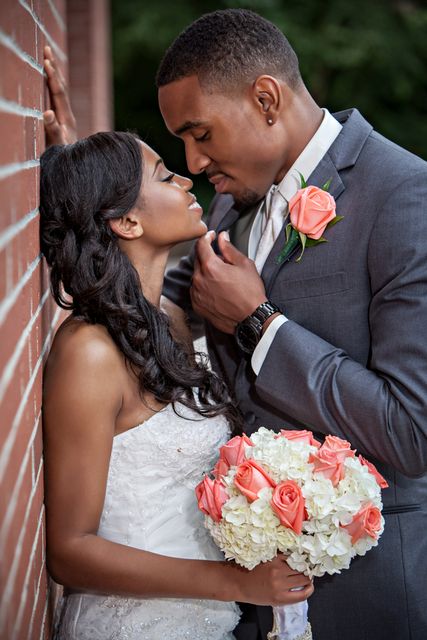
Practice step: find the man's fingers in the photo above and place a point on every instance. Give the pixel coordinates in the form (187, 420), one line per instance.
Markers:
(220, 322)
(204, 249)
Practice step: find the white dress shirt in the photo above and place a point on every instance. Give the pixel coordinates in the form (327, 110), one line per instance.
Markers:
(305, 164)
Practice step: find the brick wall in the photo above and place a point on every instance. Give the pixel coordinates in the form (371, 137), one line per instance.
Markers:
(90, 71)
(28, 316)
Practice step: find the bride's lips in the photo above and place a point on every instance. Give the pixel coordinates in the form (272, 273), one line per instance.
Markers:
(194, 205)
(219, 181)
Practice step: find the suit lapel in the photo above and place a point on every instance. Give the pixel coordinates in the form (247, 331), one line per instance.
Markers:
(228, 220)
(343, 154)
(224, 223)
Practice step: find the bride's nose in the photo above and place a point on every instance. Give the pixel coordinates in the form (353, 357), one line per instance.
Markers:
(184, 183)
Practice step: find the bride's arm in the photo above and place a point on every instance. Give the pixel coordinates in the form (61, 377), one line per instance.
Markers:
(84, 386)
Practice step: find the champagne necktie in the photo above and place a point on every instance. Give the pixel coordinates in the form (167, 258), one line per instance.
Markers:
(274, 211)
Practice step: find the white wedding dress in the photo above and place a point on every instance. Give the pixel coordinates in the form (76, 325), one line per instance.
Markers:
(150, 504)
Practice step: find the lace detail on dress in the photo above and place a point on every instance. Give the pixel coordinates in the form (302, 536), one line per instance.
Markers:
(150, 504)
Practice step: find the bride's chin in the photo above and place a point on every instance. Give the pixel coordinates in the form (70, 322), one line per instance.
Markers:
(200, 231)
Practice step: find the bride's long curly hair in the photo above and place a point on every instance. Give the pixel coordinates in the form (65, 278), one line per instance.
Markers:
(83, 186)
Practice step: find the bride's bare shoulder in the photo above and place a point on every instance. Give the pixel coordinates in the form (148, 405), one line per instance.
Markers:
(80, 345)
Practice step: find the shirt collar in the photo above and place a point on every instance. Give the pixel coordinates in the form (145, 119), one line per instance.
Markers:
(311, 155)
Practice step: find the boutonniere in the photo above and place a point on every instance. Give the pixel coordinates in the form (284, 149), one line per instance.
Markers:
(311, 212)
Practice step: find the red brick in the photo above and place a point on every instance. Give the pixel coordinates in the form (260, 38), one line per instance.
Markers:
(19, 25)
(18, 445)
(17, 255)
(39, 613)
(38, 446)
(29, 541)
(35, 593)
(21, 311)
(22, 140)
(19, 558)
(22, 84)
(10, 535)
(19, 194)
(17, 132)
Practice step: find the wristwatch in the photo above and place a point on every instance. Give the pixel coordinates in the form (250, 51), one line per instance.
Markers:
(248, 332)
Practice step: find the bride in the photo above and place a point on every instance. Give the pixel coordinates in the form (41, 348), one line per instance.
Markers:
(132, 419)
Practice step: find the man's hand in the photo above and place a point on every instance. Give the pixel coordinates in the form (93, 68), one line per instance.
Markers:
(59, 122)
(226, 289)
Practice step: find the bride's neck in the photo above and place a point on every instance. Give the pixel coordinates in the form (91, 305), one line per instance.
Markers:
(150, 266)
(151, 271)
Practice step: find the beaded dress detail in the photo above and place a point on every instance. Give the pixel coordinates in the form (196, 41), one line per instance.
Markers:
(150, 504)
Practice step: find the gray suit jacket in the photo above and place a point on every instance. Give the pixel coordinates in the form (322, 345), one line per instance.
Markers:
(352, 361)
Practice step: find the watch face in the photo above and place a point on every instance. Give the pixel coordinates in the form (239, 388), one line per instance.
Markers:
(247, 337)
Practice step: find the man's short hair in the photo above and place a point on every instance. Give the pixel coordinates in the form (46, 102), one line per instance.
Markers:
(227, 49)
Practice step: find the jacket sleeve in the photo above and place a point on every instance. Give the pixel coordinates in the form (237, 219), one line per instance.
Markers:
(381, 408)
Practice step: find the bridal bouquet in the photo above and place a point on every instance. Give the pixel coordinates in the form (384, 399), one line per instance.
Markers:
(320, 505)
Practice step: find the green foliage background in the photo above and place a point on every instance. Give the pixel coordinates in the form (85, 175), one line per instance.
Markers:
(369, 54)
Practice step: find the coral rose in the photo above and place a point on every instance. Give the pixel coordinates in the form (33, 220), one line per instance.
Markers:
(211, 495)
(289, 505)
(250, 478)
(311, 209)
(221, 468)
(366, 522)
(329, 459)
(233, 452)
(342, 448)
(372, 469)
(300, 436)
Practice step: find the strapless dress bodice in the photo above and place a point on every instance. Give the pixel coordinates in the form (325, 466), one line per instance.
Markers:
(150, 504)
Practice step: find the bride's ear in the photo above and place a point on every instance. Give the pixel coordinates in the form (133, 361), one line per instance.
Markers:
(128, 227)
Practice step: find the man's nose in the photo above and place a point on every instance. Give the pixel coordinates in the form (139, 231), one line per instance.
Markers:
(197, 161)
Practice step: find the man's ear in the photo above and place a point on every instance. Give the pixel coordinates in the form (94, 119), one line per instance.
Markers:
(267, 94)
(128, 227)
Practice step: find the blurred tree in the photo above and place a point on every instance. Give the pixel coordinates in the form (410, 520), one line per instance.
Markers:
(369, 55)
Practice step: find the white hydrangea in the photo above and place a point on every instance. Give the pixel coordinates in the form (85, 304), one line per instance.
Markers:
(250, 533)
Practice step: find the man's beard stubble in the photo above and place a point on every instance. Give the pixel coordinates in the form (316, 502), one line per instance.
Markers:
(246, 198)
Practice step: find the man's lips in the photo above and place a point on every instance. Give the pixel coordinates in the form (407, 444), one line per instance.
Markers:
(219, 180)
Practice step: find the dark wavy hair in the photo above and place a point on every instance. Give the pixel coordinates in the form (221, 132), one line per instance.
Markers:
(228, 48)
(84, 185)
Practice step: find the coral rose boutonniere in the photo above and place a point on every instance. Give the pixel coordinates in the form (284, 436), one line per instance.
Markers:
(311, 212)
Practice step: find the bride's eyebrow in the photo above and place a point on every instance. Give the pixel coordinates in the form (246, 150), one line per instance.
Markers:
(158, 161)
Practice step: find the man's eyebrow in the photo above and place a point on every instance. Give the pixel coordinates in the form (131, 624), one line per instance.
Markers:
(158, 161)
(190, 124)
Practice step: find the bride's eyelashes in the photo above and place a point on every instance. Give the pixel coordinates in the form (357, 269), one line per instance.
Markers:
(168, 178)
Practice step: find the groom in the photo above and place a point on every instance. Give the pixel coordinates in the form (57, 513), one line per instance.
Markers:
(336, 342)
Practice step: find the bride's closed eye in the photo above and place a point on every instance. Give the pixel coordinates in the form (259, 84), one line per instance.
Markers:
(169, 178)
